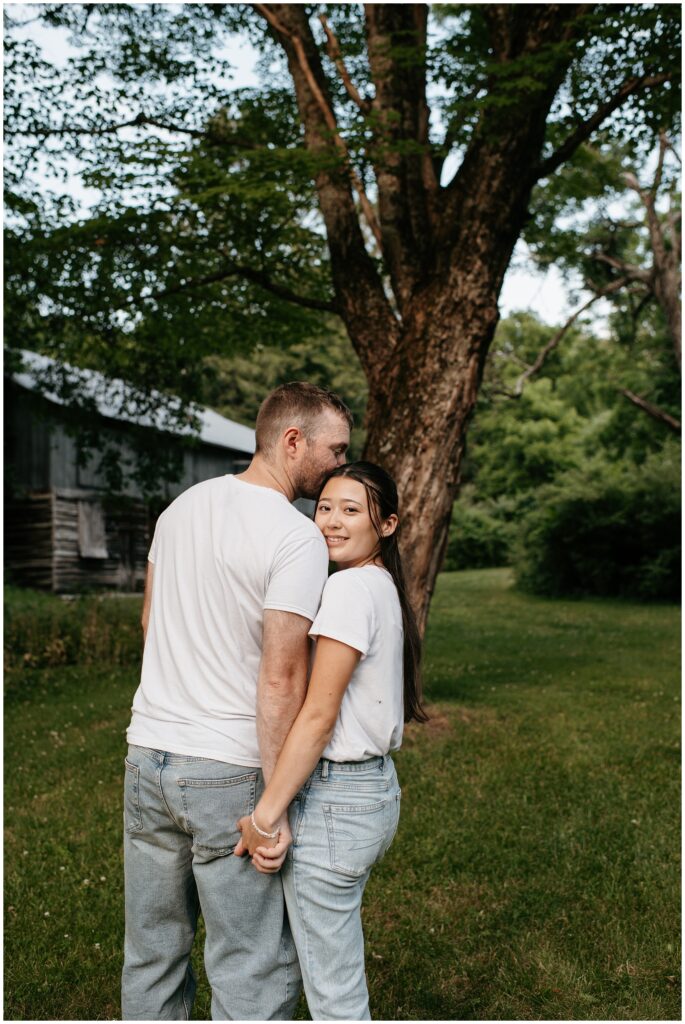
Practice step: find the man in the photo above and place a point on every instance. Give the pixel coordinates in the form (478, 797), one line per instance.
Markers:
(234, 581)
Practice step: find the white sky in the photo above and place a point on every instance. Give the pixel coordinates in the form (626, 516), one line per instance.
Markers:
(524, 287)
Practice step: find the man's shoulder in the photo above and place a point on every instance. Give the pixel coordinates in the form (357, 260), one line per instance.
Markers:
(295, 525)
(200, 490)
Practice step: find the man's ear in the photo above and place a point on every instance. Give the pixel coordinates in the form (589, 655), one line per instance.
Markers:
(292, 438)
(389, 525)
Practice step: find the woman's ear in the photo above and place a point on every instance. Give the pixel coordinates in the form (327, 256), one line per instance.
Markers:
(389, 525)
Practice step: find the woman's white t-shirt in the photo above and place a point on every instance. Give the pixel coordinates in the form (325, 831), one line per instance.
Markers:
(360, 608)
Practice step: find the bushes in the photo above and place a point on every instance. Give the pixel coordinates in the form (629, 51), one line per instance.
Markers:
(608, 529)
(43, 630)
(479, 537)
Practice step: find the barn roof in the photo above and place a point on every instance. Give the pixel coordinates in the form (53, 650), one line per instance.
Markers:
(113, 396)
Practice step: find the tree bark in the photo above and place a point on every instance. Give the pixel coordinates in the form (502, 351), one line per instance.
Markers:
(416, 428)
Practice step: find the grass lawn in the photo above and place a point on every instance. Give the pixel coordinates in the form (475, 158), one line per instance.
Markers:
(535, 874)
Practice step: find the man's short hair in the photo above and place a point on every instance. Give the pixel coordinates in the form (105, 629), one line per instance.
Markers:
(297, 404)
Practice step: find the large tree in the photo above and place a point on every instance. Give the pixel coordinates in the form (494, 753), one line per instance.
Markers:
(419, 142)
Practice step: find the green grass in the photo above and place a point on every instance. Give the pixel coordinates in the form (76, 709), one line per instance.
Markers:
(535, 874)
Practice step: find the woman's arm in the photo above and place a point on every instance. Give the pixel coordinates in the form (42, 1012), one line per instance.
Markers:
(334, 664)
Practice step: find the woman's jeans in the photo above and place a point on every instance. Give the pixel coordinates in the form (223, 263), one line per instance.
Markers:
(180, 817)
(343, 820)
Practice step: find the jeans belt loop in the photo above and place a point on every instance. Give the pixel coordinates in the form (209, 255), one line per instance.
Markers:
(324, 768)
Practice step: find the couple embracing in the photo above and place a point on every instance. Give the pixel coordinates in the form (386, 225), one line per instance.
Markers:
(259, 790)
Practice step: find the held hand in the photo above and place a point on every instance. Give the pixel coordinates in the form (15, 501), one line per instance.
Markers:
(269, 860)
(250, 838)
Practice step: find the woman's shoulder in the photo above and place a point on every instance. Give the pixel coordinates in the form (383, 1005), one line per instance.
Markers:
(371, 580)
(342, 579)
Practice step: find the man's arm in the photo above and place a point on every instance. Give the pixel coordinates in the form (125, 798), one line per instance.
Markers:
(282, 683)
(147, 600)
(335, 662)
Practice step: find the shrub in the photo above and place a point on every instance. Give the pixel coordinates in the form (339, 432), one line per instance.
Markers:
(43, 630)
(608, 529)
(478, 538)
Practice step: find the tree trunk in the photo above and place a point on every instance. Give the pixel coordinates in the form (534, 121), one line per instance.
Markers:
(416, 428)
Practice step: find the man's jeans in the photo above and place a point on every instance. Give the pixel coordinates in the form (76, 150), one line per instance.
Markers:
(180, 817)
(343, 820)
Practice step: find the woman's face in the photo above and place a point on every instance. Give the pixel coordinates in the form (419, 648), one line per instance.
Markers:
(342, 515)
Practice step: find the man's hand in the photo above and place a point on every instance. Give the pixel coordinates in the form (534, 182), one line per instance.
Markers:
(267, 855)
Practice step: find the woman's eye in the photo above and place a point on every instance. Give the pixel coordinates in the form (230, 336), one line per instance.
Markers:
(348, 509)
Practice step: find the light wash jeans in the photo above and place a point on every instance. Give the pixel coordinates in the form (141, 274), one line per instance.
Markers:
(343, 820)
(180, 817)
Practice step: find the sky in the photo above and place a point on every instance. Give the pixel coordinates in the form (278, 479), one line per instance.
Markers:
(525, 288)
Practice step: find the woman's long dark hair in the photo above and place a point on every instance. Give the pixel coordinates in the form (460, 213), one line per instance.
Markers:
(381, 492)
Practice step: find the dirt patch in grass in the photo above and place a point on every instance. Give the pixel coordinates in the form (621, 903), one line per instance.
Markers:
(438, 726)
(443, 722)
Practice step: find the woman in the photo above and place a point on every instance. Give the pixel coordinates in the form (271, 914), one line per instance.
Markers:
(334, 767)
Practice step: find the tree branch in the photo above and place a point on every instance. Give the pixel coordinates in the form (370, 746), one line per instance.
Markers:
(664, 277)
(556, 338)
(673, 217)
(361, 300)
(333, 49)
(585, 130)
(329, 118)
(631, 272)
(408, 188)
(675, 152)
(257, 277)
(646, 297)
(142, 120)
(652, 410)
(663, 146)
(135, 122)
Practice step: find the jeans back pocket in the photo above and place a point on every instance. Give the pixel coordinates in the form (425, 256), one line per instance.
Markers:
(133, 821)
(359, 834)
(212, 809)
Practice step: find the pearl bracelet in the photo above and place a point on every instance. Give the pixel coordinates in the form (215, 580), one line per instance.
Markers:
(267, 835)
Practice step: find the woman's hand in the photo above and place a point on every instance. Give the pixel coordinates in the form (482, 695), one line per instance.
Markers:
(267, 855)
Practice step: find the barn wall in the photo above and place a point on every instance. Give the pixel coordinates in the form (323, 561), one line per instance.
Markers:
(28, 426)
(127, 542)
(206, 462)
(28, 541)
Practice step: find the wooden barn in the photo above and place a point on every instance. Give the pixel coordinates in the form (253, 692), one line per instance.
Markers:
(64, 530)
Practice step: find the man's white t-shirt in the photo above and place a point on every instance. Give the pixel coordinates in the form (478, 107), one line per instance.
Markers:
(223, 552)
(360, 607)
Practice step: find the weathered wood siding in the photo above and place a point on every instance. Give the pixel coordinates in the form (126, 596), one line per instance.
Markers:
(28, 427)
(28, 541)
(127, 526)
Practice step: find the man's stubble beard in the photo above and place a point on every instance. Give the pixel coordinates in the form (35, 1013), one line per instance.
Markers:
(310, 483)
